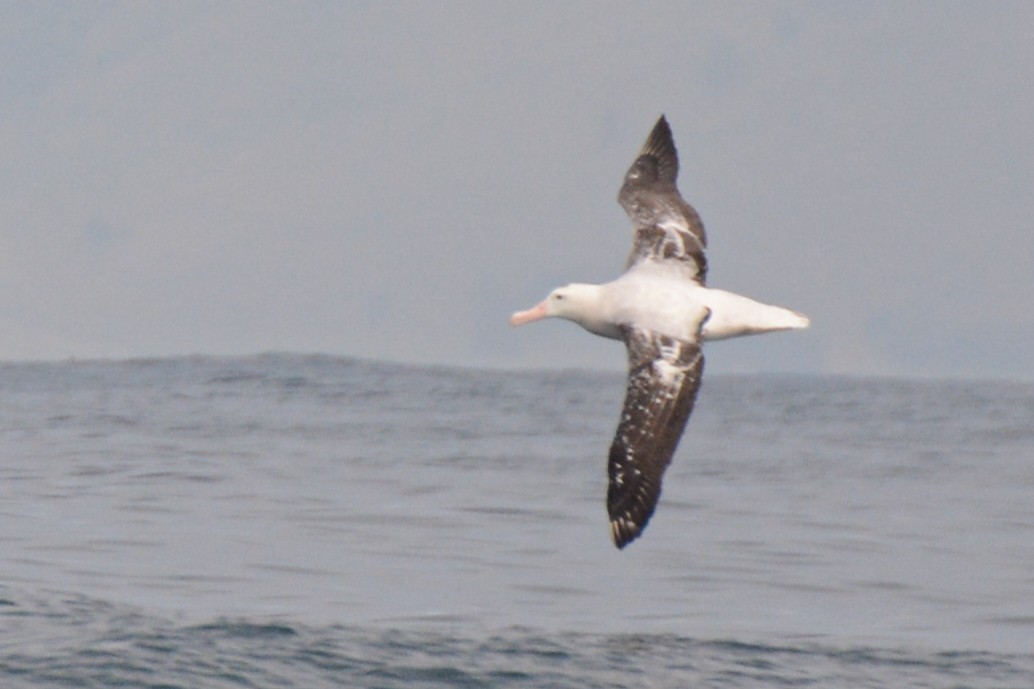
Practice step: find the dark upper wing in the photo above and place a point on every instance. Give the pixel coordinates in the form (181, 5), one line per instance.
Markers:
(666, 227)
(663, 379)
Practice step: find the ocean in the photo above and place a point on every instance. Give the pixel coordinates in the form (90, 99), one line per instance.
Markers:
(314, 521)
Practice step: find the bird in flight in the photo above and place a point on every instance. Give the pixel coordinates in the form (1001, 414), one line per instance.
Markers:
(663, 311)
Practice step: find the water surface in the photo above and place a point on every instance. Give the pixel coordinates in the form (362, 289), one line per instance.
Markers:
(318, 521)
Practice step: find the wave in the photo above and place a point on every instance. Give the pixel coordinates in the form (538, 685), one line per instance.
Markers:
(89, 643)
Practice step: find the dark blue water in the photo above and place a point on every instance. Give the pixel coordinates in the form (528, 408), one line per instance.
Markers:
(295, 521)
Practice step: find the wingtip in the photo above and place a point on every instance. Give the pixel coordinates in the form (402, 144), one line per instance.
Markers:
(660, 139)
(623, 531)
(660, 144)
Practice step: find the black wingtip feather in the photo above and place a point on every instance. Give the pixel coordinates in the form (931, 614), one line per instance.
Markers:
(629, 514)
(632, 496)
(660, 145)
(624, 531)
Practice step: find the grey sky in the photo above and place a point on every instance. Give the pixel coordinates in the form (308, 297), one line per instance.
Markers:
(391, 180)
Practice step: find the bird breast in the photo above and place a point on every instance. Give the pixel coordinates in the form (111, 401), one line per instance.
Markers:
(669, 306)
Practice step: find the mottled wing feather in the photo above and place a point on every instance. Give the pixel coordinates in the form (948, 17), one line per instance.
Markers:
(663, 379)
(666, 227)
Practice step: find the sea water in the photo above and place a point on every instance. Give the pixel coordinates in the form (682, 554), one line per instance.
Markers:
(314, 521)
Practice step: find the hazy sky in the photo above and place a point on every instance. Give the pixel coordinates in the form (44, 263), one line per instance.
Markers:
(391, 180)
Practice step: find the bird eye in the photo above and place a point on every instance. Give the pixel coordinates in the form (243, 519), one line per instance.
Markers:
(558, 296)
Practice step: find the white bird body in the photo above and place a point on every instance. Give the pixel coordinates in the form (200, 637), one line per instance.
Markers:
(677, 308)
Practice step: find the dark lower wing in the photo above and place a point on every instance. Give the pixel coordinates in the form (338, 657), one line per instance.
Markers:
(663, 379)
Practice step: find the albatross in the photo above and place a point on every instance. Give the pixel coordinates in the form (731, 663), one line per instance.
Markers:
(663, 311)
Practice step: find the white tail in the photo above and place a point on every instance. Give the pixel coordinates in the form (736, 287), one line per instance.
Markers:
(733, 315)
